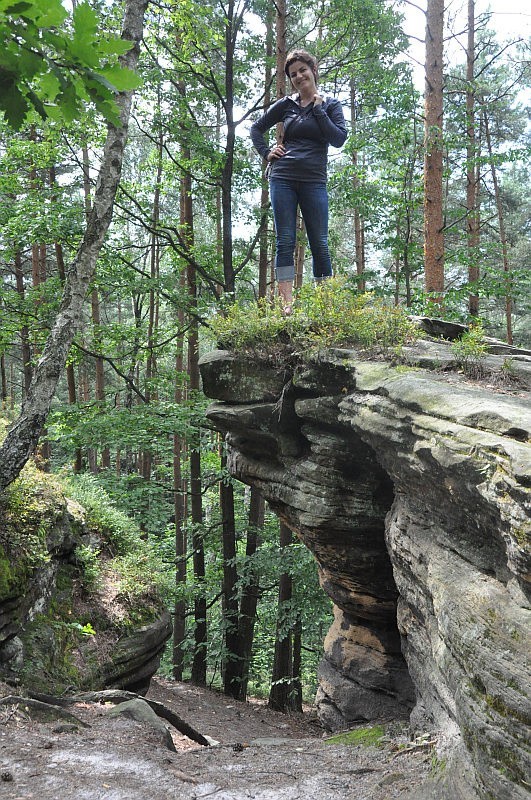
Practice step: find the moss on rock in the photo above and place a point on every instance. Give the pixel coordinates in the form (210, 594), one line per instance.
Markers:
(73, 582)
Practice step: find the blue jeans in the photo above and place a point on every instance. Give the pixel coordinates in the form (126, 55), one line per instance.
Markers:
(312, 198)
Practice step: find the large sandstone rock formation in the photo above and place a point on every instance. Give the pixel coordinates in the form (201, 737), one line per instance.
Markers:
(411, 487)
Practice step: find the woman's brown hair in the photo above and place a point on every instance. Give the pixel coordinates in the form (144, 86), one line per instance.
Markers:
(305, 57)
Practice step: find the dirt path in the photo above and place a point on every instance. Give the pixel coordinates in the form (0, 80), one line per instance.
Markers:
(261, 754)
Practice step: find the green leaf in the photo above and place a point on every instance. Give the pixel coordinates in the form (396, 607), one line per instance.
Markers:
(8, 59)
(85, 23)
(8, 7)
(82, 52)
(114, 46)
(12, 101)
(121, 79)
(68, 101)
(50, 86)
(30, 64)
(49, 13)
(37, 104)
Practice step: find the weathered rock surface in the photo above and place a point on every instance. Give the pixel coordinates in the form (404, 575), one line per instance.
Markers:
(140, 711)
(411, 487)
(41, 604)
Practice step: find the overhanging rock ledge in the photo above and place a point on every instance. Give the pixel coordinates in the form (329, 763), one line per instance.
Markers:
(411, 488)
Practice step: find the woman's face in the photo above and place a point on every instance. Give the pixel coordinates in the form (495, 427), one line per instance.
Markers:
(302, 77)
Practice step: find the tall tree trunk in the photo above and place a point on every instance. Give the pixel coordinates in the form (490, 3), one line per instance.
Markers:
(154, 252)
(296, 691)
(228, 165)
(38, 276)
(179, 610)
(281, 679)
(231, 685)
(99, 372)
(23, 436)
(263, 255)
(179, 448)
(250, 591)
(70, 374)
(3, 382)
(503, 235)
(12, 385)
(397, 264)
(43, 453)
(281, 53)
(300, 249)
(409, 205)
(24, 332)
(433, 152)
(199, 665)
(472, 184)
(358, 221)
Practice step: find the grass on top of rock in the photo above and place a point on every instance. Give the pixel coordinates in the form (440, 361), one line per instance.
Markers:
(328, 314)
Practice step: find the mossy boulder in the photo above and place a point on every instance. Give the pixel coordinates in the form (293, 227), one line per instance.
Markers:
(81, 593)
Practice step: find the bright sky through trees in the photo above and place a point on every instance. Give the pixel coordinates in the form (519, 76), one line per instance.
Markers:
(511, 21)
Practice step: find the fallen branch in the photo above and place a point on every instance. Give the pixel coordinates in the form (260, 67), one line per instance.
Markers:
(121, 696)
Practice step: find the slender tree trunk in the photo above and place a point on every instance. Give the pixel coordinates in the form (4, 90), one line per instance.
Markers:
(3, 382)
(24, 332)
(358, 221)
(199, 665)
(70, 374)
(281, 679)
(433, 152)
(296, 693)
(12, 385)
(300, 249)
(281, 53)
(179, 615)
(179, 448)
(472, 185)
(99, 372)
(228, 166)
(219, 203)
(409, 205)
(38, 269)
(397, 265)
(151, 365)
(250, 592)
(264, 195)
(23, 436)
(231, 685)
(503, 235)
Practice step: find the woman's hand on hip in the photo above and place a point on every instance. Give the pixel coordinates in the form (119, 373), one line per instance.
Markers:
(276, 152)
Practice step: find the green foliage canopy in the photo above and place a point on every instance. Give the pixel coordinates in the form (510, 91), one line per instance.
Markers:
(56, 68)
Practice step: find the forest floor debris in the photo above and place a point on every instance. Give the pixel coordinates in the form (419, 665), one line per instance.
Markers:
(262, 754)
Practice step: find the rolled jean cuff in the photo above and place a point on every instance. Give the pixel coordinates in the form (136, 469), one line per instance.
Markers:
(285, 273)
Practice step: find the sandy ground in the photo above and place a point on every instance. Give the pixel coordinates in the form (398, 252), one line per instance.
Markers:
(261, 754)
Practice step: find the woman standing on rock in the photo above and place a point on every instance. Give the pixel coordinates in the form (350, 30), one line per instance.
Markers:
(298, 168)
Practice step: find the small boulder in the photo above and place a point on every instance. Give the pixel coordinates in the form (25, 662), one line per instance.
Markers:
(140, 711)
